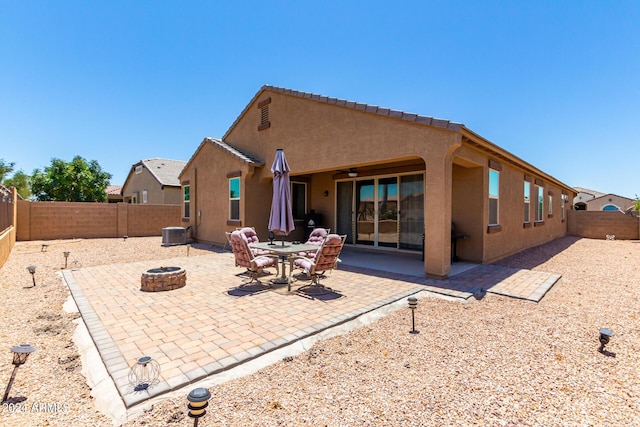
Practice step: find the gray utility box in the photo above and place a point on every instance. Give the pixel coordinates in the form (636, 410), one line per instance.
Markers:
(174, 236)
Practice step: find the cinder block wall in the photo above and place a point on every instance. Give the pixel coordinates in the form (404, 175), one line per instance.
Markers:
(149, 220)
(65, 220)
(599, 224)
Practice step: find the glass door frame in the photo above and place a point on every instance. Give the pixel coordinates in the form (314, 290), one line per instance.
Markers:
(375, 179)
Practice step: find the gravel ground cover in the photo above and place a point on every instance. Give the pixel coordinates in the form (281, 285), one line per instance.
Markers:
(496, 361)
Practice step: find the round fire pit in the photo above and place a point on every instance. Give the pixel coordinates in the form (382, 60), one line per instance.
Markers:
(163, 279)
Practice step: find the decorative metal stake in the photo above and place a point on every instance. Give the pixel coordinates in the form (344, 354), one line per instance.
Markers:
(413, 304)
(32, 270)
(20, 354)
(605, 336)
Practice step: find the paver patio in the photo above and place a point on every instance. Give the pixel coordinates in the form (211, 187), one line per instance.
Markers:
(210, 325)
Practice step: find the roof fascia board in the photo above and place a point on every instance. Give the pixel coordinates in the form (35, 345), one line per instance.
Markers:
(505, 155)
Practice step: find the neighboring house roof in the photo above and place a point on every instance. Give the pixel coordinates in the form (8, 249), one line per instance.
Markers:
(166, 171)
(373, 109)
(594, 193)
(609, 195)
(114, 190)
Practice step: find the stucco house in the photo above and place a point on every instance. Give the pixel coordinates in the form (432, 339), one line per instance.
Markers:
(154, 181)
(592, 200)
(389, 180)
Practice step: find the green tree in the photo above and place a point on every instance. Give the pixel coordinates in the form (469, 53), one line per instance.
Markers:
(636, 203)
(75, 181)
(20, 180)
(5, 169)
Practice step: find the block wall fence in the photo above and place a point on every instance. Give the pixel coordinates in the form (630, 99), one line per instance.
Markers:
(69, 220)
(8, 198)
(599, 224)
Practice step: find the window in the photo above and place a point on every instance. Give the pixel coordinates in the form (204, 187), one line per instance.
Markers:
(144, 196)
(563, 201)
(299, 199)
(527, 202)
(138, 169)
(550, 206)
(186, 201)
(540, 201)
(494, 194)
(234, 199)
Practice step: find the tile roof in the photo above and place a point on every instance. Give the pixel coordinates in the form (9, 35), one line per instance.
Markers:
(373, 109)
(114, 189)
(594, 193)
(234, 151)
(166, 171)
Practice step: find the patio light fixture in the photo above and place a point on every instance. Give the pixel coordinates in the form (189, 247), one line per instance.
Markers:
(605, 336)
(66, 258)
(20, 354)
(144, 373)
(413, 304)
(32, 269)
(271, 236)
(198, 400)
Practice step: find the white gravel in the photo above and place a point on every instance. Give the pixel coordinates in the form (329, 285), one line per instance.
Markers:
(496, 362)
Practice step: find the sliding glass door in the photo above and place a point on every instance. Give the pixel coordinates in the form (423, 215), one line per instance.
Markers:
(382, 212)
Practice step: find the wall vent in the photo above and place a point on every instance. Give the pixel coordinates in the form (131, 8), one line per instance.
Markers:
(174, 236)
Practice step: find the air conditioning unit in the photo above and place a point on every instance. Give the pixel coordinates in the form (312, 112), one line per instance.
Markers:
(174, 236)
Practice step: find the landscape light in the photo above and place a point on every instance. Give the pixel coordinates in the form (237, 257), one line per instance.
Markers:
(20, 354)
(413, 304)
(66, 257)
(144, 373)
(32, 269)
(198, 400)
(605, 336)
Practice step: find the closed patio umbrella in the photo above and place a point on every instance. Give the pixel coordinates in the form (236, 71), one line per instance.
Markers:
(281, 218)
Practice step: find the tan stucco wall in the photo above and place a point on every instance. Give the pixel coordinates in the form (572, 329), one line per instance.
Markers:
(320, 140)
(598, 203)
(514, 236)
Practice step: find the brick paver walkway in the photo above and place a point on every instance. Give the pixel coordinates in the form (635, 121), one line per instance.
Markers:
(209, 325)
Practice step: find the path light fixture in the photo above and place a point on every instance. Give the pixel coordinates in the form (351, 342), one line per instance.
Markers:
(32, 269)
(413, 304)
(198, 400)
(125, 238)
(144, 373)
(66, 258)
(20, 354)
(605, 336)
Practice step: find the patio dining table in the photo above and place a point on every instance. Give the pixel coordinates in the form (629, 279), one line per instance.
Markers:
(285, 250)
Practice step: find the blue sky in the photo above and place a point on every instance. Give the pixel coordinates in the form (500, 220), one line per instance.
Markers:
(556, 83)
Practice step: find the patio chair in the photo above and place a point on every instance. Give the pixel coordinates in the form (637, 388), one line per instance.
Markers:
(245, 257)
(325, 259)
(317, 237)
(252, 237)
